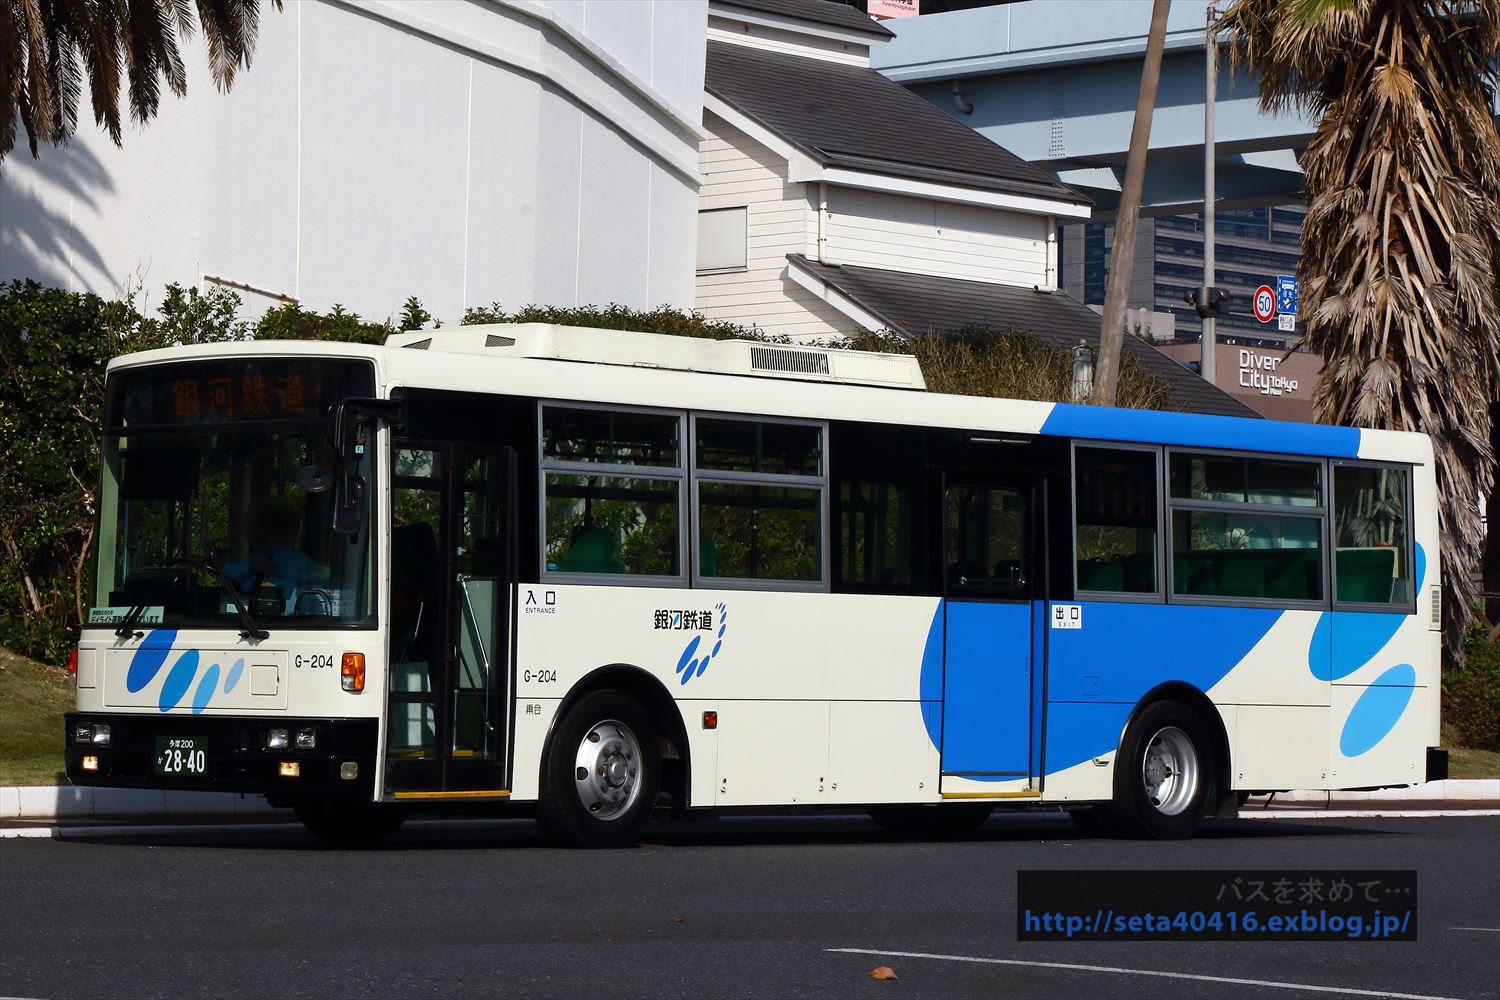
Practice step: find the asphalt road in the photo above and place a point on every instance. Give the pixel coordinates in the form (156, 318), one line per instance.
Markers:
(731, 907)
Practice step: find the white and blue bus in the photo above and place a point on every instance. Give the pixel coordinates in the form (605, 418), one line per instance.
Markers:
(584, 574)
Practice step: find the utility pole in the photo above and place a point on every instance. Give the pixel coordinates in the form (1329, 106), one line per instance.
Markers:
(1208, 353)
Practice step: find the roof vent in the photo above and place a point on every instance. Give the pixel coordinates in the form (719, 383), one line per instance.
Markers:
(778, 359)
(419, 345)
(495, 340)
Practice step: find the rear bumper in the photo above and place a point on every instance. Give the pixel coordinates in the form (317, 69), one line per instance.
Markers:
(1437, 764)
(237, 759)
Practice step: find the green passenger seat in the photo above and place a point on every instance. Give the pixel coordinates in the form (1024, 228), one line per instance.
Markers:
(1296, 579)
(1106, 577)
(593, 551)
(1366, 575)
(1244, 576)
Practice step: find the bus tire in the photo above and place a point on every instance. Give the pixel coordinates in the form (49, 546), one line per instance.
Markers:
(951, 820)
(1164, 773)
(350, 824)
(600, 776)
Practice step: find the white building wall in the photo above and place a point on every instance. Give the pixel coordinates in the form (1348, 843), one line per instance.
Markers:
(737, 171)
(461, 152)
(943, 239)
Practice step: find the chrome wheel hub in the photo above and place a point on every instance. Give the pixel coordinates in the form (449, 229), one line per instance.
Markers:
(1169, 771)
(607, 769)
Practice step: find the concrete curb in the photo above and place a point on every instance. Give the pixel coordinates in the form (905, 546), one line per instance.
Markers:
(1454, 792)
(72, 802)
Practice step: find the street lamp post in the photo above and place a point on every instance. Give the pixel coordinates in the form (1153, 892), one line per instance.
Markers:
(1207, 353)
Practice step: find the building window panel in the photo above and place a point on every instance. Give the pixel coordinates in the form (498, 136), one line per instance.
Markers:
(722, 241)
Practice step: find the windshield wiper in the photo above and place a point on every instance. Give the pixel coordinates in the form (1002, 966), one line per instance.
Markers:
(127, 624)
(252, 630)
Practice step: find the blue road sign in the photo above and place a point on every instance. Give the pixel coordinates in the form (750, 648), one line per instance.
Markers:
(1286, 293)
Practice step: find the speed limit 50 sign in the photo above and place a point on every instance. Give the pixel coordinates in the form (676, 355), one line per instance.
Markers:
(1265, 304)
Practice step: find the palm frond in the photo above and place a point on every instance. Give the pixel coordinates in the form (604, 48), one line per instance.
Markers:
(49, 48)
(1401, 242)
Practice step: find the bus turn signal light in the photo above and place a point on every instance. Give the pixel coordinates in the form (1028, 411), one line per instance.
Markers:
(710, 720)
(352, 672)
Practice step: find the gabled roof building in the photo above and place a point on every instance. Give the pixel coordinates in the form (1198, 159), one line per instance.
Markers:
(834, 199)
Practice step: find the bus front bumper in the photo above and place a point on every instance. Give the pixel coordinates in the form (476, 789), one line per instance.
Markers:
(235, 755)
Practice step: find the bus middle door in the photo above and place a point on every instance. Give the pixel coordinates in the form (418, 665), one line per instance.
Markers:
(987, 677)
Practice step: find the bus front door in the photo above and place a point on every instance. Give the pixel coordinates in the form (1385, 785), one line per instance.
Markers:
(452, 552)
(989, 580)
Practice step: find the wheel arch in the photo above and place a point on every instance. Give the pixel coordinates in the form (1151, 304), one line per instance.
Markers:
(1207, 712)
(655, 699)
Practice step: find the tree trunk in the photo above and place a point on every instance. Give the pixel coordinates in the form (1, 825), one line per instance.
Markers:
(1122, 255)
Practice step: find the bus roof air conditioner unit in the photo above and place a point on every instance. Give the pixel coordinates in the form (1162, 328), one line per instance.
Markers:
(547, 341)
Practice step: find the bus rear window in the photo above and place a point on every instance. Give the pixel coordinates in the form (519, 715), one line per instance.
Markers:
(1372, 535)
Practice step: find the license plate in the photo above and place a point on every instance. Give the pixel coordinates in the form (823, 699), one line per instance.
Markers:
(182, 756)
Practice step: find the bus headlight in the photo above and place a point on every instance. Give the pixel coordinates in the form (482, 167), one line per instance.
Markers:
(96, 733)
(307, 739)
(277, 739)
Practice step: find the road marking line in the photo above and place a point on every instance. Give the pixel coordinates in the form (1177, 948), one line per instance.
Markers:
(1347, 990)
(1362, 813)
(1492, 930)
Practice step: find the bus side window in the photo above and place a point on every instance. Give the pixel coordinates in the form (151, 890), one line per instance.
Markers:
(1246, 528)
(1116, 515)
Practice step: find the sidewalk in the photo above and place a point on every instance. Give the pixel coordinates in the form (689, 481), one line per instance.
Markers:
(43, 803)
(1454, 793)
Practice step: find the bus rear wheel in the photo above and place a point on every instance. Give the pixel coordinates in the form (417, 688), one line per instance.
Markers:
(1164, 773)
(951, 820)
(349, 824)
(601, 773)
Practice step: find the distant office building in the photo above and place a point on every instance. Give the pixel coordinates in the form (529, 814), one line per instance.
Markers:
(1251, 247)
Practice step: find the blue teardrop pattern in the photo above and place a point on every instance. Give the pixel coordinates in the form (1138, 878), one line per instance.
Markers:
(687, 662)
(148, 658)
(689, 665)
(233, 677)
(1378, 710)
(206, 686)
(179, 679)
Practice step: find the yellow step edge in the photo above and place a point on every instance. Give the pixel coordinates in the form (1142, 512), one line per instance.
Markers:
(992, 795)
(496, 793)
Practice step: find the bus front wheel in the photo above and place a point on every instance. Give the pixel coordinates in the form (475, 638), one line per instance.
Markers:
(600, 777)
(1164, 773)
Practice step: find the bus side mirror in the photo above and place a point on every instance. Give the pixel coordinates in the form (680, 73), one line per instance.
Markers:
(349, 486)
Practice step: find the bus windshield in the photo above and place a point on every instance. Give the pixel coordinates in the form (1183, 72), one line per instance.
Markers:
(216, 488)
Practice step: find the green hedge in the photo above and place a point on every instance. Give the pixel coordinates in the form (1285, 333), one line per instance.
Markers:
(1471, 691)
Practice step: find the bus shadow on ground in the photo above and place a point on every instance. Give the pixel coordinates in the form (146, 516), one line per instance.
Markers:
(733, 831)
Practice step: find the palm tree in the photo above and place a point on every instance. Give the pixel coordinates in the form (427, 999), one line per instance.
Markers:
(1122, 254)
(1402, 238)
(48, 46)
